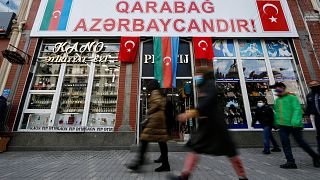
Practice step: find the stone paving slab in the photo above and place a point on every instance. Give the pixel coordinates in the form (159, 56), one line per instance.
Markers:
(96, 165)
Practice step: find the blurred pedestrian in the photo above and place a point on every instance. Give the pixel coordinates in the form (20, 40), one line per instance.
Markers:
(288, 116)
(212, 136)
(264, 114)
(154, 128)
(313, 106)
(3, 112)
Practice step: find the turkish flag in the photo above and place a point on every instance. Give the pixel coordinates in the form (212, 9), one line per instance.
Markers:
(202, 48)
(272, 15)
(128, 49)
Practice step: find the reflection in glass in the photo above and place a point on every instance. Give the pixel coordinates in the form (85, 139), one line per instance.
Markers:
(36, 121)
(255, 69)
(283, 70)
(250, 48)
(226, 69)
(230, 98)
(278, 48)
(40, 101)
(223, 48)
(46, 77)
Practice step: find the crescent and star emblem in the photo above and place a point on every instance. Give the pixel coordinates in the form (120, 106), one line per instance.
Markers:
(56, 14)
(273, 19)
(167, 60)
(203, 47)
(129, 42)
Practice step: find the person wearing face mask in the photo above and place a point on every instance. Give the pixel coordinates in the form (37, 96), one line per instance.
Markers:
(313, 107)
(288, 117)
(264, 114)
(212, 136)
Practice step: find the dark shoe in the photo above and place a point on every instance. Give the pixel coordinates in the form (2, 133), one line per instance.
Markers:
(134, 166)
(163, 168)
(159, 160)
(243, 178)
(175, 177)
(289, 165)
(266, 152)
(276, 150)
(316, 163)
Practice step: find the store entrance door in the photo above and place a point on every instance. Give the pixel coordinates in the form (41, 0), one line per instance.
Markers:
(181, 99)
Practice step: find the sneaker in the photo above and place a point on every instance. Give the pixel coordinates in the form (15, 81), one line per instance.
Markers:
(266, 152)
(175, 177)
(276, 150)
(316, 163)
(289, 165)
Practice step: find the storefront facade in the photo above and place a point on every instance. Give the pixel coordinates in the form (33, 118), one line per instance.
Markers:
(76, 83)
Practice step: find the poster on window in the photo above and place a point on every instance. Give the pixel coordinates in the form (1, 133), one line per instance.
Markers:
(250, 48)
(223, 48)
(278, 48)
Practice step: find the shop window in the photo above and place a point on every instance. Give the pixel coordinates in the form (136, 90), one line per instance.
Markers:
(250, 48)
(223, 48)
(278, 48)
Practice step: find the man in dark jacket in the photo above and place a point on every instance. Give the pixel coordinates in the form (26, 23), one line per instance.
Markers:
(313, 106)
(3, 112)
(264, 114)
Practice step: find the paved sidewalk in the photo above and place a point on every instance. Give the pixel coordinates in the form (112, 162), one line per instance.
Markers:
(96, 165)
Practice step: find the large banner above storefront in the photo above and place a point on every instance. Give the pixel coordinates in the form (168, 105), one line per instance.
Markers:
(214, 18)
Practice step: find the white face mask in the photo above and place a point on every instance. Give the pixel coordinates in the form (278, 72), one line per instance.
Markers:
(260, 104)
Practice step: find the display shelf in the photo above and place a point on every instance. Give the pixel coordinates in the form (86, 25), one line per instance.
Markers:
(49, 75)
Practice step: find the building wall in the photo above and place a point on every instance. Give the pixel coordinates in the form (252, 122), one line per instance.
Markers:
(4, 42)
(300, 9)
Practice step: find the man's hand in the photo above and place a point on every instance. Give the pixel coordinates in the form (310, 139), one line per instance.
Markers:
(182, 117)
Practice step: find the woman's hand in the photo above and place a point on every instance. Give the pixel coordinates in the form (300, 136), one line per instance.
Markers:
(182, 117)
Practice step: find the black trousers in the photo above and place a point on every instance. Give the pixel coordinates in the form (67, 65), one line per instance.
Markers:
(317, 123)
(163, 149)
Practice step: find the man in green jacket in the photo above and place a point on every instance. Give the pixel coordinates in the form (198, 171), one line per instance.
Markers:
(288, 117)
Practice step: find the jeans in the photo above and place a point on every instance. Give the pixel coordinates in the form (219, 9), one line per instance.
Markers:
(285, 132)
(317, 123)
(267, 137)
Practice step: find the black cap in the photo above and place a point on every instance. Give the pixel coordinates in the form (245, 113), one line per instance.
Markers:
(278, 84)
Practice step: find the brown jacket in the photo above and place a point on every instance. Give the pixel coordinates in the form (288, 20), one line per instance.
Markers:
(155, 129)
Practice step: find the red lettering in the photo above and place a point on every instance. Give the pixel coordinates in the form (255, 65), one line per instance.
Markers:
(193, 7)
(137, 7)
(165, 7)
(175, 26)
(109, 24)
(124, 23)
(81, 25)
(153, 25)
(138, 24)
(222, 25)
(242, 24)
(165, 24)
(208, 25)
(193, 26)
(95, 24)
(179, 7)
(253, 26)
(151, 5)
(233, 28)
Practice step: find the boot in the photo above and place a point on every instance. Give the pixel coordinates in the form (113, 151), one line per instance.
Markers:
(135, 166)
(163, 167)
(276, 149)
(159, 160)
(316, 162)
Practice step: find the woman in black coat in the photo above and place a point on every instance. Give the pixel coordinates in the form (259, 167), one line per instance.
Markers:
(212, 136)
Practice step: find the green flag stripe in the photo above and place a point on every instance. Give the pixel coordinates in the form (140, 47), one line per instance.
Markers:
(47, 15)
(157, 51)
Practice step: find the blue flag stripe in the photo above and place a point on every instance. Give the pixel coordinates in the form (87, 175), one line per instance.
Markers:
(175, 51)
(65, 15)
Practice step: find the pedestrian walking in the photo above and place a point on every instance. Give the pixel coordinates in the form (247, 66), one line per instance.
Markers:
(288, 116)
(3, 111)
(212, 136)
(264, 114)
(313, 107)
(154, 128)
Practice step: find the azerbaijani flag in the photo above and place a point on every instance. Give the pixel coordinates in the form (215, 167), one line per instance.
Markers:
(165, 60)
(56, 15)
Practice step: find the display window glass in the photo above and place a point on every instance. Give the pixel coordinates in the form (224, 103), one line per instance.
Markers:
(223, 48)
(278, 48)
(74, 87)
(250, 48)
(226, 69)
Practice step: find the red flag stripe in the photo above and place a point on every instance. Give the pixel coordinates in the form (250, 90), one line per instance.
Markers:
(54, 22)
(167, 62)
